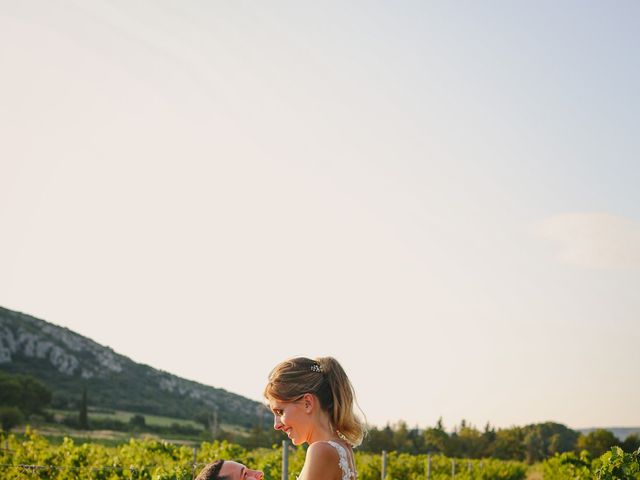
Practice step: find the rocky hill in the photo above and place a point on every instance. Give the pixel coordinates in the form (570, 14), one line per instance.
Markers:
(66, 362)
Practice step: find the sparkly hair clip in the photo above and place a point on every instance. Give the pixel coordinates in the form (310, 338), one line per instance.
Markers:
(316, 368)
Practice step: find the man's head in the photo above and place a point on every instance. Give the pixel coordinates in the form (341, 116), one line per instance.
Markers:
(228, 470)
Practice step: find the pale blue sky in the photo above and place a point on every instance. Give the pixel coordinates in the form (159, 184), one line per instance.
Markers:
(443, 195)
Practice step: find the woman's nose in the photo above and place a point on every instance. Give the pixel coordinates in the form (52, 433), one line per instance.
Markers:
(277, 424)
(257, 474)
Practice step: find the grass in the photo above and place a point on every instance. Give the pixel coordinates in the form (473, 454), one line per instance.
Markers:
(55, 434)
(57, 431)
(122, 416)
(535, 472)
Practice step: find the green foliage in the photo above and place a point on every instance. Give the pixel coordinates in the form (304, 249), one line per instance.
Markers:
(435, 439)
(616, 464)
(138, 421)
(151, 459)
(403, 466)
(145, 459)
(612, 465)
(10, 417)
(568, 466)
(532, 443)
(631, 443)
(83, 416)
(597, 442)
(20, 395)
(23, 392)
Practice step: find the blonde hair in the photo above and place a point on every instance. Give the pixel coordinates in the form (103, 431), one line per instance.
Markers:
(325, 378)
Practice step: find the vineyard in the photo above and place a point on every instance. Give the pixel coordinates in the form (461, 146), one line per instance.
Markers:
(33, 456)
(613, 465)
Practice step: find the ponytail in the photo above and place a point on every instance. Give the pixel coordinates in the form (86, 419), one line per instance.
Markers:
(348, 425)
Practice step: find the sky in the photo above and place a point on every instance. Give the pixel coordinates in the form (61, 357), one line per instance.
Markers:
(441, 195)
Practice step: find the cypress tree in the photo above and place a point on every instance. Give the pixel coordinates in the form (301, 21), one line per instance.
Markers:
(83, 416)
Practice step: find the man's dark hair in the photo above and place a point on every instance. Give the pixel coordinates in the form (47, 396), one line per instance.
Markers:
(211, 472)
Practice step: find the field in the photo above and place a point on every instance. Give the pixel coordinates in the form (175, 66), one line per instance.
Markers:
(156, 427)
(125, 417)
(113, 427)
(33, 454)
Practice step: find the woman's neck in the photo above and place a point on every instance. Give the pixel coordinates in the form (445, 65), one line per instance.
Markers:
(323, 430)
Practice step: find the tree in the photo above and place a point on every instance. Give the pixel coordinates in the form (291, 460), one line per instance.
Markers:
(10, 417)
(379, 439)
(557, 438)
(401, 439)
(83, 417)
(436, 439)
(138, 422)
(35, 396)
(471, 441)
(631, 443)
(488, 438)
(509, 444)
(23, 392)
(10, 390)
(534, 447)
(211, 422)
(597, 442)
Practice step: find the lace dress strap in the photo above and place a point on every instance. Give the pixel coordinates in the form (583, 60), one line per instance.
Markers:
(345, 466)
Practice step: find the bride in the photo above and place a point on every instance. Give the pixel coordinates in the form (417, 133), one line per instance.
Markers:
(312, 402)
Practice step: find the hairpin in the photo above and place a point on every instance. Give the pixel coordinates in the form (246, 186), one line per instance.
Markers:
(316, 368)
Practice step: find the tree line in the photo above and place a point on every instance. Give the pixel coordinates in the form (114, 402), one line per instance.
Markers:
(530, 443)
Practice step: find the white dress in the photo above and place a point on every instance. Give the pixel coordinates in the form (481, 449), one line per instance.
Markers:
(345, 466)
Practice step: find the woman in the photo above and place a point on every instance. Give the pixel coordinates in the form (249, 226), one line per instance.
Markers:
(312, 402)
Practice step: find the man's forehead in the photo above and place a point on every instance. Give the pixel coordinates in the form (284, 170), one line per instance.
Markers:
(231, 466)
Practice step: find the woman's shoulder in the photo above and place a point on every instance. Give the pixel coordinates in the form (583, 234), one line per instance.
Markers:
(324, 449)
(322, 459)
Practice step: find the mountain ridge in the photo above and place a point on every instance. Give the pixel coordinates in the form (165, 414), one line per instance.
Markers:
(66, 362)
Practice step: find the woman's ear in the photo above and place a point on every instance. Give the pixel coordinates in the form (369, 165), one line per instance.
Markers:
(309, 401)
